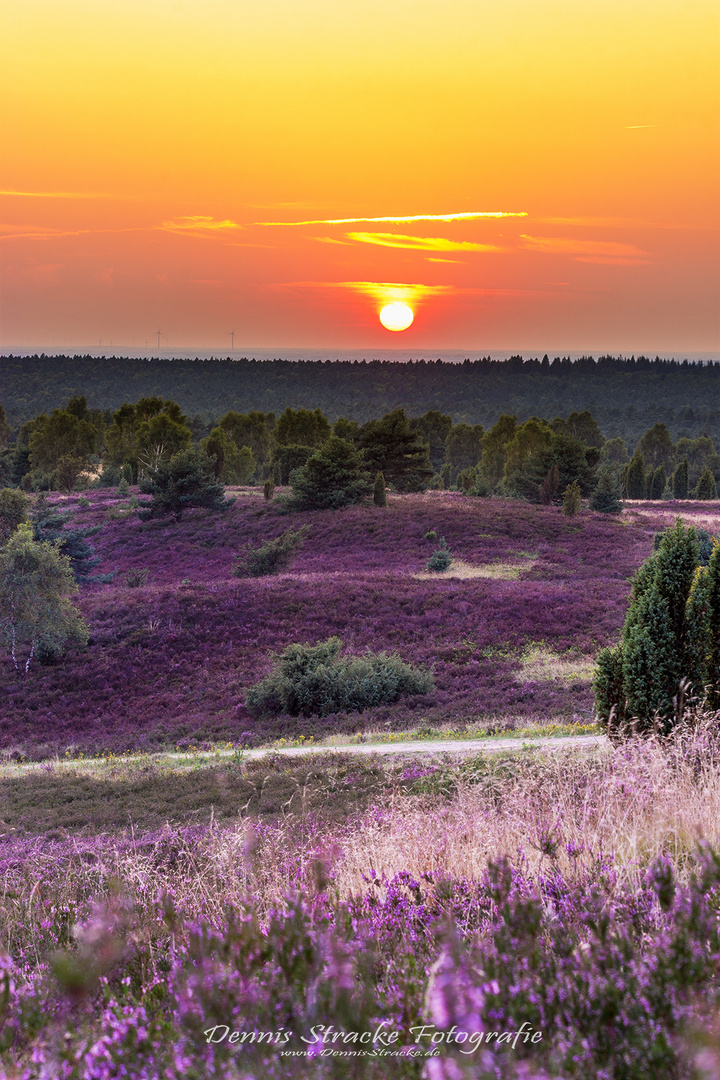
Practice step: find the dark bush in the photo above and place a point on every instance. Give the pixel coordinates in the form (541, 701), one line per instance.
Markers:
(272, 555)
(441, 559)
(135, 578)
(314, 680)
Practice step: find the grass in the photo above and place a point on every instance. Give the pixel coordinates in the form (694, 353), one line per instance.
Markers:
(149, 792)
(539, 662)
(497, 571)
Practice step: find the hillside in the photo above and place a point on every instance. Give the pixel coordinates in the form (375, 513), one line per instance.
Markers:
(510, 630)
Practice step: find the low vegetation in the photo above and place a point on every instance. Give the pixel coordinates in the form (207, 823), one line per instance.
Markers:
(560, 892)
(315, 680)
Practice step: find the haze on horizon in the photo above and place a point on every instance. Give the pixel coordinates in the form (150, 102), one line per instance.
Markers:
(516, 173)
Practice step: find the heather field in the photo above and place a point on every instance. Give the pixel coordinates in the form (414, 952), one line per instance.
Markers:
(510, 631)
(545, 913)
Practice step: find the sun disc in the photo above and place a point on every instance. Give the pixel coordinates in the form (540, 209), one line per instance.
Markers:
(396, 316)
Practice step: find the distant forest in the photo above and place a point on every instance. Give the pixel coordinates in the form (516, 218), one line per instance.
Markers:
(626, 396)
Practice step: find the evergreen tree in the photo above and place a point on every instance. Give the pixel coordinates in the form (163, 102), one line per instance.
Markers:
(463, 447)
(332, 477)
(494, 449)
(606, 498)
(379, 493)
(656, 447)
(664, 638)
(658, 481)
(706, 486)
(185, 481)
(49, 527)
(635, 478)
(434, 428)
(571, 499)
(680, 481)
(399, 453)
(36, 613)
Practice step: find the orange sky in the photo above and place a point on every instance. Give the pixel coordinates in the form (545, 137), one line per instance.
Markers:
(201, 166)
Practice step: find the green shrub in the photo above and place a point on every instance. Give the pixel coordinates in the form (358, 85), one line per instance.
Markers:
(441, 559)
(122, 489)
(315, 680)
(268, 489)
(272, 555)
(571, 500)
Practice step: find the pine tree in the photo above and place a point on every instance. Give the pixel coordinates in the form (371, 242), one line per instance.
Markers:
(379, 493)
(606, 496)
(49, 527)
(680, 481)
(185, 481)
(333, 476)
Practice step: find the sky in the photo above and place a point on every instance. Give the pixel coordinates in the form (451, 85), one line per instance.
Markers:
(523, 174)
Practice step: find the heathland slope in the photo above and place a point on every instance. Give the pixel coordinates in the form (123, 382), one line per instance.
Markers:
(510, 630)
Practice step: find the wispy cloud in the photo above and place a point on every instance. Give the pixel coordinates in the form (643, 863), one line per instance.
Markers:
(46, 232)
(419, 243)
(383, 292)
(59, 194)
(563, 245)
(199, 225)
(402, 219)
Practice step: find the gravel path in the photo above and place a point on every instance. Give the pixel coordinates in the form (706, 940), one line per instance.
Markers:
(411, 748)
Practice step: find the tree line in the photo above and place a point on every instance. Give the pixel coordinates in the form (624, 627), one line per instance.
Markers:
(625, 395)
(535, 459)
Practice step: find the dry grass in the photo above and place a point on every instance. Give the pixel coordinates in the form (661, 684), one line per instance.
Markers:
(497, 571)
(634, 802)
(541, 664)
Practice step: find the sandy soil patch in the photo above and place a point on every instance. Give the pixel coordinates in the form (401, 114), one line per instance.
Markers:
(540, 664)
(499, 571)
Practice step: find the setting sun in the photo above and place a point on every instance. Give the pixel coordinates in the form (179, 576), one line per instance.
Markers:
(396, 316)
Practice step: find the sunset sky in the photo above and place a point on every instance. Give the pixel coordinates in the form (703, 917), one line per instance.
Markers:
(523, 174)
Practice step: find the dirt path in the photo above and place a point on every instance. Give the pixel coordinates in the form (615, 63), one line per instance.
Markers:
(411, 748)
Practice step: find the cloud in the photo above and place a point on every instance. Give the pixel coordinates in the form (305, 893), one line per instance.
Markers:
(46, 232)
(469, 215)
(59, 194)
(383, 292)
(199, 225)
(562, 245)
(419, 243)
